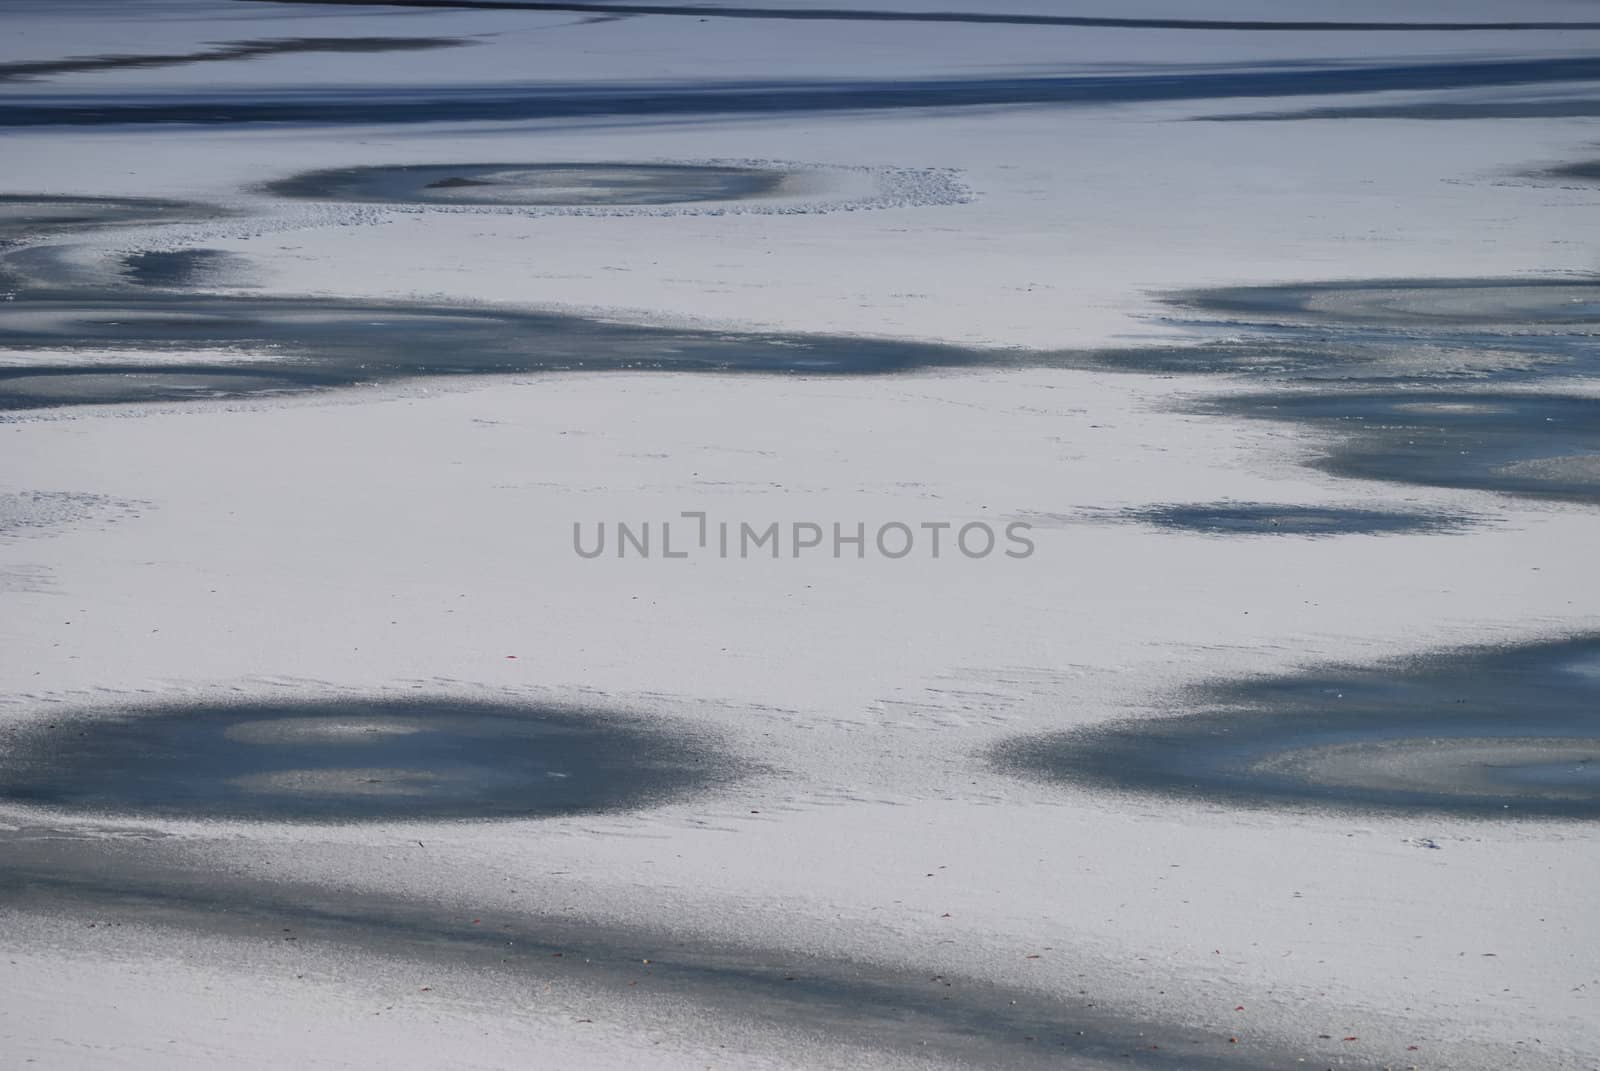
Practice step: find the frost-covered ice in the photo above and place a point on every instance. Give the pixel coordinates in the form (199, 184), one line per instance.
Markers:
(989, 272)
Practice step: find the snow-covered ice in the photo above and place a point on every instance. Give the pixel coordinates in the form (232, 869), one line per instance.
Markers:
(974, 409)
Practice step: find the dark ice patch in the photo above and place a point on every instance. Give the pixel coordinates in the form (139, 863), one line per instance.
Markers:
(1412, 303)
(1510, 731)
(26, 216)
(303, 344)
(1533, 445)
(342, 760)
(185, 269)
(1274, 519)
(552, 184)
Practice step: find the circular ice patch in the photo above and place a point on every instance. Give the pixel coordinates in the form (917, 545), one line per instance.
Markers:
(349, 760)
(1512, 731)
(1416, 303)
(1265, 518)
(553, 184)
